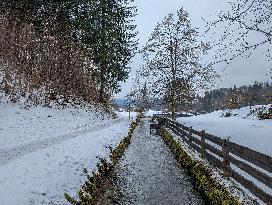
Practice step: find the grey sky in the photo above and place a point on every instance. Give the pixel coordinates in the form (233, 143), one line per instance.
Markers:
(241, 71)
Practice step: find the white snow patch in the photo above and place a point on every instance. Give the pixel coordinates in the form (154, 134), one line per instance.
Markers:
(152, 112)
(242, 127)
(245, 130)
(126, 114)
(43, 151)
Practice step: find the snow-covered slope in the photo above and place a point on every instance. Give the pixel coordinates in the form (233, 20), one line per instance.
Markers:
(43, 150)
(20, 126)
(243, 128)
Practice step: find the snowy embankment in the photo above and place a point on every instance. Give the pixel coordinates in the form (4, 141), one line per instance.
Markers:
(243, 128)
(43, 151)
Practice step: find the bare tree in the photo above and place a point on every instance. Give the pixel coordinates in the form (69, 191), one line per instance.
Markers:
(245, 19)
(172, 58)
(44, 68)
(139, 95)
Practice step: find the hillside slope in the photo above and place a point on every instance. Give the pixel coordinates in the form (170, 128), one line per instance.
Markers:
(244, 128)
(43, 151)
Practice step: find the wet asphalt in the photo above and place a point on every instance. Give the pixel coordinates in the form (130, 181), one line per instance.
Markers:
(148, 173)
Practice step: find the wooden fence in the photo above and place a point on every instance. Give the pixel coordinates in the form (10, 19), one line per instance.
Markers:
(220, 152)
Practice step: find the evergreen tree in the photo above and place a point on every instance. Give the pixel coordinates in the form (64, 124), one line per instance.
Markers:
(108, 32)
(54, 38)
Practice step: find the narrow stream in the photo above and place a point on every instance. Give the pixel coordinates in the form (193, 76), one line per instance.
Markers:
(149, 174)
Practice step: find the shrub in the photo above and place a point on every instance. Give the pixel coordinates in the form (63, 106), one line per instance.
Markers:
(90, 190)
(213, 192)
(265, 113)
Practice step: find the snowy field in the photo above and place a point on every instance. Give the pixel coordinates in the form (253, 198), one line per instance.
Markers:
(152, 112)
(244, 129)
(44, 150)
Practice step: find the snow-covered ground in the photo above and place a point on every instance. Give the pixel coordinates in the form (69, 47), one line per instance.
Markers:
(152, 112)
(43, 150)
(126, 114)
(244, 129)
(133, 114)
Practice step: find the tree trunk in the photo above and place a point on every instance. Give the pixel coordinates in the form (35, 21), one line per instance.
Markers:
(173, 112)
(173, 86)
(103, 67)
(102, 88)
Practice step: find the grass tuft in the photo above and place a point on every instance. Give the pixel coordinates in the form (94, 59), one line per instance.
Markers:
(212, 192)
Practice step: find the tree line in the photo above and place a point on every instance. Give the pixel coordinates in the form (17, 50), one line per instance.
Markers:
(233, 98)
(65, 50)
(258, 93)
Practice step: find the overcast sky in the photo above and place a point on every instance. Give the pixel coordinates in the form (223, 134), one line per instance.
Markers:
(241, 71)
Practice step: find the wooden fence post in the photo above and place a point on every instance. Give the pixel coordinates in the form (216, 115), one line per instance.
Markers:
(161, 122)
(190, 137)
(203, 147)
(165, 122)
(226, 162)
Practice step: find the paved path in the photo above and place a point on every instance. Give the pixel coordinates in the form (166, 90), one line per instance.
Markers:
(149, 174)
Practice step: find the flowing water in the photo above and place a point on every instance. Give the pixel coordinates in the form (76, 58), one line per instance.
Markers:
(149, 174)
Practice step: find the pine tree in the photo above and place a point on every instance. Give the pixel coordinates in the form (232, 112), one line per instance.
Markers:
(62, 41)
(108, 31)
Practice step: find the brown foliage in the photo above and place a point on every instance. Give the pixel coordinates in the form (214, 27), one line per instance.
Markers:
(44, 68)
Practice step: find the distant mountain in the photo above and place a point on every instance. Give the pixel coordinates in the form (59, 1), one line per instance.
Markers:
(121, 102)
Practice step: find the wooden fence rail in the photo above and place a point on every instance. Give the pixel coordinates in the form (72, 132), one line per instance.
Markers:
(223, 153)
